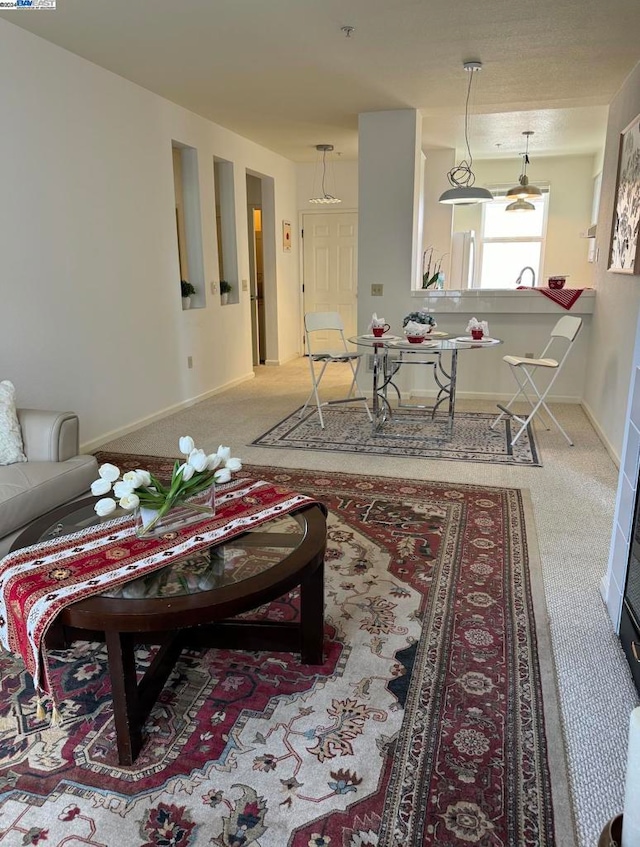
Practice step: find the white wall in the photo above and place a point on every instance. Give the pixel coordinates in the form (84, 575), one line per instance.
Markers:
(438, 217)
(618, 299)
(570, 202)
(390, 177)
(90, 300)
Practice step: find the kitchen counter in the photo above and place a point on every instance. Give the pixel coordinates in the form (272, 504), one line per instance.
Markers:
(523, 320)
(490, 301)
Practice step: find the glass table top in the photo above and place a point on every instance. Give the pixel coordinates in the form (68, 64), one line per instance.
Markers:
(229, 563)
(435, 344)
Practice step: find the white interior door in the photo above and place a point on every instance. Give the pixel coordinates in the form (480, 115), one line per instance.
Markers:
(330, 265)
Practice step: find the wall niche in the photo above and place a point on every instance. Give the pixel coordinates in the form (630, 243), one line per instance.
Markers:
(188, 223)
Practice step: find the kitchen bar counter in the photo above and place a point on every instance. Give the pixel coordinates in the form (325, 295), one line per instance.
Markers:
(522, 319)
(499, 301)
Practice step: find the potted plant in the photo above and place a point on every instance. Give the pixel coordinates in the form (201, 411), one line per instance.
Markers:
(186, 290)
(432, 275)
(225, 290)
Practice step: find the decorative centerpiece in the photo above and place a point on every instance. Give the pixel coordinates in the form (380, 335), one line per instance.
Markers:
(478, 329)
(187, 498)
(417, 325)
(378, 326)
(557, 282)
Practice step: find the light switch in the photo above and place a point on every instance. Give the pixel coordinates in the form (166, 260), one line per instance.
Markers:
(189, 362)
(214, 287)
(245, 284)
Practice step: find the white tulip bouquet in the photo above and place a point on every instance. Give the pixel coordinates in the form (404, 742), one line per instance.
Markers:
(141, 489)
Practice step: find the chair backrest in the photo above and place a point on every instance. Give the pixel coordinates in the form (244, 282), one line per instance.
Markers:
(324, 332)
(323, 320)
(567, 327)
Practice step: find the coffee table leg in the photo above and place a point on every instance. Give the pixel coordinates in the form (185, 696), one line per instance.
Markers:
(124, 690)
(312, 618)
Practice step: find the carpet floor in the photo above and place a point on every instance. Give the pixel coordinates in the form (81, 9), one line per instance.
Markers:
(432, 721)
(348, 430)
(573, 497)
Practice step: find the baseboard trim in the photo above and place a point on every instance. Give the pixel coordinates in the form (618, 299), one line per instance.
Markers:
(92, 446)
(604, 587)
(276, 362)
(608, 446)
(490, 396)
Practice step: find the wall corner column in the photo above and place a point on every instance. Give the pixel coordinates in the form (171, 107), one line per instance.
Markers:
(390, 180)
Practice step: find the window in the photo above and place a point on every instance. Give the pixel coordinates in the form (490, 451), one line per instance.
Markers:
(511, 241)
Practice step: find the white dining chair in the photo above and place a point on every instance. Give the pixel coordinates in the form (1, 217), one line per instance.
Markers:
(562, 336)
(331, 326)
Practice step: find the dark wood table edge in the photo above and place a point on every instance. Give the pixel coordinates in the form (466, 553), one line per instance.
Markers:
(133, 701)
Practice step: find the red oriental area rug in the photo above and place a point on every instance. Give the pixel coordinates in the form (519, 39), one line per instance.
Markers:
(432, 721)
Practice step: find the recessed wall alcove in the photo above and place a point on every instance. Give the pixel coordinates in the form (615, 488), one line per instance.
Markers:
(188, 221)
(225, 200)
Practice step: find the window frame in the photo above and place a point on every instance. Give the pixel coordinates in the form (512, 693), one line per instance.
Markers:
(499, 193)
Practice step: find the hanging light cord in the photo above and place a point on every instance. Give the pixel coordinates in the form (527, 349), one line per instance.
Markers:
(325, 197)
(525, 162)
(324, 169)
(461, 174)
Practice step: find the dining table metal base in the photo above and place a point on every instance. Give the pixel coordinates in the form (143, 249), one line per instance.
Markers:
(389, 405)
(389, 408)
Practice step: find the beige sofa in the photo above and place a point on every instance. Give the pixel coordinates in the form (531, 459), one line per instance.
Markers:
(53, 474)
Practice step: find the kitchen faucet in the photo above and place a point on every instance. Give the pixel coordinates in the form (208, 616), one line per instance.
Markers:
(533, 276)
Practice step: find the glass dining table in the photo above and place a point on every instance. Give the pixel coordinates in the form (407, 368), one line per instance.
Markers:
(392, 415)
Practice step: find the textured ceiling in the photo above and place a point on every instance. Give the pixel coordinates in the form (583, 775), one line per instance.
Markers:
(282, 73)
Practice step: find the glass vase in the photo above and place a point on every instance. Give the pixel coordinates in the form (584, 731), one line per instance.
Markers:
(181, 515)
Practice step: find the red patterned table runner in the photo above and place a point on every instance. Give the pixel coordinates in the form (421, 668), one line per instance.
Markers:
(564, 297)
(37, 582)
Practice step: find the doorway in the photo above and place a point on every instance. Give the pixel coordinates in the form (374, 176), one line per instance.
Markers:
(330, 265)
(255, 230)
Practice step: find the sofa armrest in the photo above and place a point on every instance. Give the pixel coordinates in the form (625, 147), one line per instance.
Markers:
(49, 436)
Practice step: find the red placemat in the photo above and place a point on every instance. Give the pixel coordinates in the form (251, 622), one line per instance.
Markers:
(564, 297)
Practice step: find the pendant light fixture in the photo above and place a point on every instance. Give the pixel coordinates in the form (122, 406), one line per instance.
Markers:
(520, 205)
(463, 191)
(523, 191)
(323, 197)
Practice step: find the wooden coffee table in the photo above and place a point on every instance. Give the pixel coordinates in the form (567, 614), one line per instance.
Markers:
(189, 604)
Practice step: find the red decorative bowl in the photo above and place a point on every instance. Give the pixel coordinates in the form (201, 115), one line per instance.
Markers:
(556, 281)
(477, 334)
(415, 339)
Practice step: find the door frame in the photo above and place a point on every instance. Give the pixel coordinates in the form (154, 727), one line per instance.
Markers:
(269, 256)
(253, 284)
(301, 216)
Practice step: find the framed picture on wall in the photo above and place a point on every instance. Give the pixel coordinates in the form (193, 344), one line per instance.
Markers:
(623, 255)
(286, 236)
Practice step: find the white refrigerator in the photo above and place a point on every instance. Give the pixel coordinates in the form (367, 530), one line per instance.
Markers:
(463, 259)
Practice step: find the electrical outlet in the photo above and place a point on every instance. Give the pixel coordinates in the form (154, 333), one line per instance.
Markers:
(189, 362)
(377, 290)
(528, 355)
(245, 284)
(214, 287)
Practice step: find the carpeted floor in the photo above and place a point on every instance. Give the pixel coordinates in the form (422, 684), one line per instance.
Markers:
(431, 721)
(573, 497)
(348, 430)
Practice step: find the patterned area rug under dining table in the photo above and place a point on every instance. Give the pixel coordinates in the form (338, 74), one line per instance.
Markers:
(433, 720)
(348, 430)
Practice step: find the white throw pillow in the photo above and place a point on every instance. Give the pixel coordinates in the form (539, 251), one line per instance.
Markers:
(10, 434)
